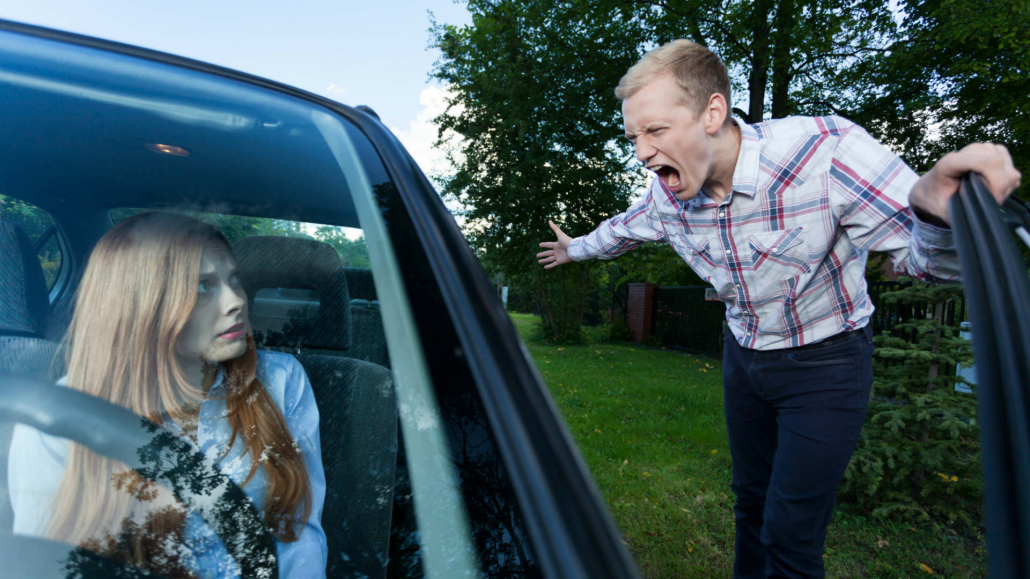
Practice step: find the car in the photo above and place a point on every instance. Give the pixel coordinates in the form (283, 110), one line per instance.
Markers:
(444, 455)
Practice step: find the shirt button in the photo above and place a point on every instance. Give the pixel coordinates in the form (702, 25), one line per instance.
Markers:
(729, 251)
(774, 249)
(722, 213)
(749, 334)
(738, 285)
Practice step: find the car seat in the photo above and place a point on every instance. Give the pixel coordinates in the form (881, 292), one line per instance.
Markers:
(366, 320)
(356, 404)
(24, 313)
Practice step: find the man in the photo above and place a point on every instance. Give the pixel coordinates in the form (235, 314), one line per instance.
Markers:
(779, 217)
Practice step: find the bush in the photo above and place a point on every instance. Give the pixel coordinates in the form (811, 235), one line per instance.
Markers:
(918, 456)
(619, 333)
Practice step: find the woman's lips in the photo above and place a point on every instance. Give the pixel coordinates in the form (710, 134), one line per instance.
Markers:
(234, 333)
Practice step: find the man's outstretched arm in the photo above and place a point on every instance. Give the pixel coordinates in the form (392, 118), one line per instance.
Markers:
(638, 225)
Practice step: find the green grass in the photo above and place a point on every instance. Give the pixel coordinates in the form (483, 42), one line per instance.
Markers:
(649, 424)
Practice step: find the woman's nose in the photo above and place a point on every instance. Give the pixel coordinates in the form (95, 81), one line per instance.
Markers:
(235, 300)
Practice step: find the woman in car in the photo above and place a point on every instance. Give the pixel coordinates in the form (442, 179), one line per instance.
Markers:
(161, 328)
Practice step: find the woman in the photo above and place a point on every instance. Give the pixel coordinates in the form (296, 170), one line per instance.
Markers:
(160, 327)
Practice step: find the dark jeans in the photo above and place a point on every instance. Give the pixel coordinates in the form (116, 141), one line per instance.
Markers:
(793, 418)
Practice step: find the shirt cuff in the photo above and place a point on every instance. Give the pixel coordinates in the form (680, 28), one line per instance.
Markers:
(576, 250)
(932, 235)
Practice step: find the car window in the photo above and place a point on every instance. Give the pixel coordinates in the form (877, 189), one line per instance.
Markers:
(38, 226)
(246, 279)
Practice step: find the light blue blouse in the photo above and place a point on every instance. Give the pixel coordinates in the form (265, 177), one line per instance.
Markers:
(36, 465)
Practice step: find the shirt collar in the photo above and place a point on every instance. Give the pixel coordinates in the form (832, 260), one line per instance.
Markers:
(745, 173)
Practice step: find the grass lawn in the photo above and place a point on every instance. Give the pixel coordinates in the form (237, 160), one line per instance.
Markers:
(649, 424)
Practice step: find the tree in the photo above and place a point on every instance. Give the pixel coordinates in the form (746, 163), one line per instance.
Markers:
(352, 252)
(785, 54)
(958, 72)
(539, 126)
(918, 455)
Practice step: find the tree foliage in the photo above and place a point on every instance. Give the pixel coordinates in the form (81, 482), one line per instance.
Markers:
(532, 80)
(918, 455)
(958, 72)
(539, 127)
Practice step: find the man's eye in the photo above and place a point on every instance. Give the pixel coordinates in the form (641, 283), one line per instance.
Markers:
(203, 288)
(234, 279)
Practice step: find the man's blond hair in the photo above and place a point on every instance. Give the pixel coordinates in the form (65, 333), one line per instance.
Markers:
(697, 70)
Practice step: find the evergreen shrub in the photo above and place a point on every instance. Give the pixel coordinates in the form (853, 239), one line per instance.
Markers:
(918, 456)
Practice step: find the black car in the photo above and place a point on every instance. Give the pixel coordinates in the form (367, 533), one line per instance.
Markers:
(443, 453)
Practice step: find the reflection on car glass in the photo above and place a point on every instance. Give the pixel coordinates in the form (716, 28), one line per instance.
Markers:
(38, 226)
(161, 327)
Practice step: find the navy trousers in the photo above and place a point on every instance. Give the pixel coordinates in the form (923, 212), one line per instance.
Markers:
(793, 417)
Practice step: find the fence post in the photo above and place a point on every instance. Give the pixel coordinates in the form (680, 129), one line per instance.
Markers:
(638, 310)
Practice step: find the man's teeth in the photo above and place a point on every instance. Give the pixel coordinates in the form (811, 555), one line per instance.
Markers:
(674, 179)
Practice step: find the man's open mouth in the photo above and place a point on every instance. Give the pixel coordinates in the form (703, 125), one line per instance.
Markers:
(668, 175)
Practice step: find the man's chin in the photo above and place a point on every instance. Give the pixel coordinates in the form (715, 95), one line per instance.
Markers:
(684, 194)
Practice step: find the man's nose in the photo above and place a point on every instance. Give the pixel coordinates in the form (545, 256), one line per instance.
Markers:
(644, 150)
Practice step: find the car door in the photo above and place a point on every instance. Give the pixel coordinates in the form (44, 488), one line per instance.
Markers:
(486, 480)
(998, 293)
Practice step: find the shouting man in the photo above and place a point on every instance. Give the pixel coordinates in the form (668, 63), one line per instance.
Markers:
(779, 217)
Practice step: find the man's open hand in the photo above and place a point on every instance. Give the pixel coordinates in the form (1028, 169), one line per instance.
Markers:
(557, 252)
(993, 162)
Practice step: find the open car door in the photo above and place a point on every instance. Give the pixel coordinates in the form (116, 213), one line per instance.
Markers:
(998, 296)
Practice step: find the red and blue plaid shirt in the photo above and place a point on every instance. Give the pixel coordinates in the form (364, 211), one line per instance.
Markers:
(786, 248)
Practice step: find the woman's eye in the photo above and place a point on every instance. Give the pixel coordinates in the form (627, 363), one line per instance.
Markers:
(203, 288)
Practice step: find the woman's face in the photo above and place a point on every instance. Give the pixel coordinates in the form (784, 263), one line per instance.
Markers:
(218, 327)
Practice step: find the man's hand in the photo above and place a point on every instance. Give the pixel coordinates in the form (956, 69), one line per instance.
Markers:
(993, 162)
(557, 251)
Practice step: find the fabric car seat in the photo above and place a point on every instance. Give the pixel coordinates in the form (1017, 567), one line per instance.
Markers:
(366, 321)
(24, 313)
(356, 403)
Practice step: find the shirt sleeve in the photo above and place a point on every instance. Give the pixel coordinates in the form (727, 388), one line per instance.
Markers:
(869, 193)
(615, 236)
(307, 556)
(35, 464)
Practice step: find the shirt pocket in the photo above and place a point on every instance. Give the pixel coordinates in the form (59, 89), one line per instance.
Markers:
(777, 256)
(698, 254)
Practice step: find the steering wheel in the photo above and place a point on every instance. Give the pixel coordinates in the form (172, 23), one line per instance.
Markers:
(155, 454)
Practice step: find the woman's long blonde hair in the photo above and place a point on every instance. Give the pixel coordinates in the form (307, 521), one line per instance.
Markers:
(134, 300)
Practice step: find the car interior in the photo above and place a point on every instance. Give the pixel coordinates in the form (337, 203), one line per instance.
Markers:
(76, 154)
(339, 341)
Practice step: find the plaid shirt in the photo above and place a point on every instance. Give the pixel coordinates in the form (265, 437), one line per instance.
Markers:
(786, 248)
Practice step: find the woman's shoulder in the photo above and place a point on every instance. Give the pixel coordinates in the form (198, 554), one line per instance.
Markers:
(267, 359)
(282, 375)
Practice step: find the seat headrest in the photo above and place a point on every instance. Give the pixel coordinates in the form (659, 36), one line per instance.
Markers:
(24, 302)
(271, 263)
(360, 284)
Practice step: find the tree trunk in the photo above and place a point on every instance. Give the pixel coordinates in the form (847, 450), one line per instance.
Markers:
(782, 75)
(758, 78)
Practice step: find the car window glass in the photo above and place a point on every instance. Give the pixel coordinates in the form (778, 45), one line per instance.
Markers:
(38, 226)
(348, 334)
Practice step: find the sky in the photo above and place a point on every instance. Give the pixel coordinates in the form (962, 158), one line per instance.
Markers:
(372, 53)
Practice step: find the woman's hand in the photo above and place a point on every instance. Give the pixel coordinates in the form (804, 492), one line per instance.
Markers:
(557, 251)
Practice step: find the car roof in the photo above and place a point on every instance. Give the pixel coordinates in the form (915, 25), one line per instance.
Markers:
(83, 127)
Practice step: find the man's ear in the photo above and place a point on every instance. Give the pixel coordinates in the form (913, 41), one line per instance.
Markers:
(715, 113)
